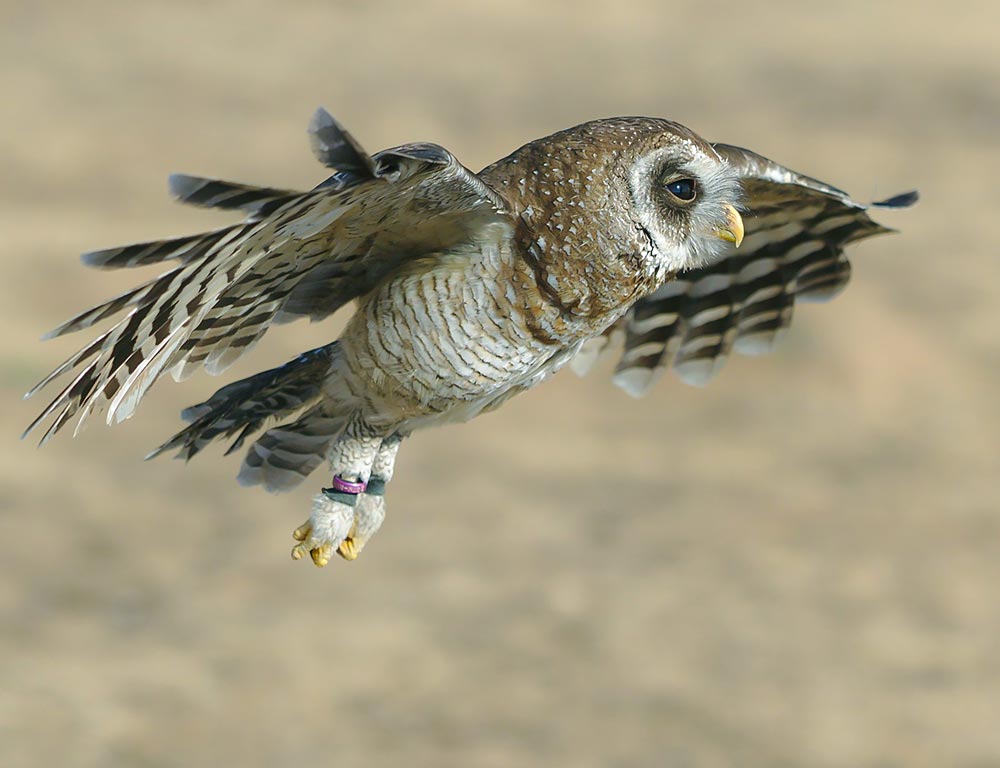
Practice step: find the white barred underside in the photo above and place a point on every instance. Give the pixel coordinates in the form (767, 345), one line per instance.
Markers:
(442, 343)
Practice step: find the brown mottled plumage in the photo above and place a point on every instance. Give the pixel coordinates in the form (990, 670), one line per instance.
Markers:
(470, 289)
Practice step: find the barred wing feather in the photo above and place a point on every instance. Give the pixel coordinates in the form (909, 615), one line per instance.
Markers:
(228, 286)
(796, 230)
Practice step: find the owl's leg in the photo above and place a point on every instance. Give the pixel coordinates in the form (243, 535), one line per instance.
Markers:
(370, 509)
(333, 513)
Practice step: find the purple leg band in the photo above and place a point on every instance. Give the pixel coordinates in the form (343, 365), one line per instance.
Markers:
(347, 486)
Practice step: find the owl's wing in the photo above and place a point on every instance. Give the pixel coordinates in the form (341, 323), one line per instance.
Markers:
(296, 254)
(796, 230)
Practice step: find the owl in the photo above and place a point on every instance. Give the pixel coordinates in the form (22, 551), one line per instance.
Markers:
(468, 289)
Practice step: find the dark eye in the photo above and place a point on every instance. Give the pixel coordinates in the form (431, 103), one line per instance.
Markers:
(683, 189)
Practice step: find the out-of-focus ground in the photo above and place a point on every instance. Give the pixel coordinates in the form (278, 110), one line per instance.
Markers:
(797, 566)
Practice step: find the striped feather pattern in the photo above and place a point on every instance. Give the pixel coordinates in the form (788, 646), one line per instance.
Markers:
(256, 202)
(286, 454)
(244, 406)
(228, 285)
(182, 249)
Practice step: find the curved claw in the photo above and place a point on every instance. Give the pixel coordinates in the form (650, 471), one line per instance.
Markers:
(321, 554)
(337, 527)
(349, 549)
(329, 524)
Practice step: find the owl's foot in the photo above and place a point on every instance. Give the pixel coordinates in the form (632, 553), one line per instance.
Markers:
(369, 513)
(328, 525)
(338, 525)
(345, 516)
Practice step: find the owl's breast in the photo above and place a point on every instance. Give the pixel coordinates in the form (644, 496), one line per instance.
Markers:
(451, 333)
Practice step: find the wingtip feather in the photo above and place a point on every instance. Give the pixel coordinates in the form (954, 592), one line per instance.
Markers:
(636, 382)
(181, 185)
(96, 259)
(903, 200)
(699, 371)
(335, 147)
(321, 118)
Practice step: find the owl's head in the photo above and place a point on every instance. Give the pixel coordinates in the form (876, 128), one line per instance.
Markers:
(637, 185)
(684, 196)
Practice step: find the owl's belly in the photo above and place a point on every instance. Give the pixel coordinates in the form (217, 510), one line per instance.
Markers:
(441, 344)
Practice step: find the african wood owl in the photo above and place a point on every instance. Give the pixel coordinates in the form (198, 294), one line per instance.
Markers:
(468, 287)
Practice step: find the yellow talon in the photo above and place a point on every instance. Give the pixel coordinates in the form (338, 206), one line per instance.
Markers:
(298, 552)
(349, 549)
(302, 532)
(321, 554)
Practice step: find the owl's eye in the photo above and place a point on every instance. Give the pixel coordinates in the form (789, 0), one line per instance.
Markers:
(683, 189)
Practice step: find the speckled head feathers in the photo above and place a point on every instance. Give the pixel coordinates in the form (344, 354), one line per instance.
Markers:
(600, 189)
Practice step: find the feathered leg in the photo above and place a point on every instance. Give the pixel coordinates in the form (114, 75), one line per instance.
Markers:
(370, 509)
(332, 521)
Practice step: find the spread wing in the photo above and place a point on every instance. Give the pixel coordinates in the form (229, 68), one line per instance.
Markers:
(796, 231)
(296, 254)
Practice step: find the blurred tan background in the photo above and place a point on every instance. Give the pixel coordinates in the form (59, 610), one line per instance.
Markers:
(802, 565)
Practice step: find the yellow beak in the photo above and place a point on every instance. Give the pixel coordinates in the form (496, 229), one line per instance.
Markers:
(733, 231)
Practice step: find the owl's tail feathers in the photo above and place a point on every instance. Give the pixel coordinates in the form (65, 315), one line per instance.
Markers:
(243, 407)
(285, 455)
